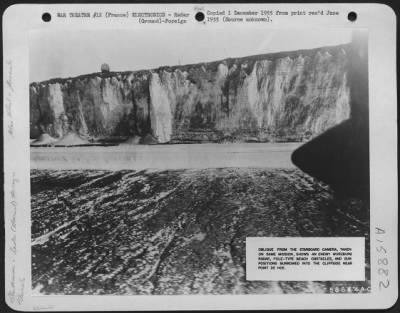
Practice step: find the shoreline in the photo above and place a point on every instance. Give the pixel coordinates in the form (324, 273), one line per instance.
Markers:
(183, 156)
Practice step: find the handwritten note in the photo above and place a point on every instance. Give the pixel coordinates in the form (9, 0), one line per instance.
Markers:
(13, 294)
(9, 91)
(16, 283)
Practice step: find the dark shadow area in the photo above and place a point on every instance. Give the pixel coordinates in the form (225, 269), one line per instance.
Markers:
(340, 156)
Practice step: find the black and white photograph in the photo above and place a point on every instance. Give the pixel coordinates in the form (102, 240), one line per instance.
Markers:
(155, 154)
(200, 157)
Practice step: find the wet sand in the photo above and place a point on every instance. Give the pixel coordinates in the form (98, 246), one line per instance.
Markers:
(182, 156)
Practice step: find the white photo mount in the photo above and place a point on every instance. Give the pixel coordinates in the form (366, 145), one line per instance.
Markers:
(60, 53)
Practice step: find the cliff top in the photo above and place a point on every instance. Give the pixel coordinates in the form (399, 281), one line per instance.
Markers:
(209, 65)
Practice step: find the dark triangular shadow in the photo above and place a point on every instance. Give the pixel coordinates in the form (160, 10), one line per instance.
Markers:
(340, 158)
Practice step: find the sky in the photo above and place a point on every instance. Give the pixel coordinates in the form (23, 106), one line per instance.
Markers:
(71, 53)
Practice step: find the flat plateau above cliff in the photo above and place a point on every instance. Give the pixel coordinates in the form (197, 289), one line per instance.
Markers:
(213, 65)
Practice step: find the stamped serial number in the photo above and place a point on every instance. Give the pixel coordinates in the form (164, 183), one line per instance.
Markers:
(382, 261)
(349, 289)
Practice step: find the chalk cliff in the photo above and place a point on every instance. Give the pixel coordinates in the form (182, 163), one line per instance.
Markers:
(280, 96)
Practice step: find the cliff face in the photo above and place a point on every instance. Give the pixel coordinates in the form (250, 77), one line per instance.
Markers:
(264, 97)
